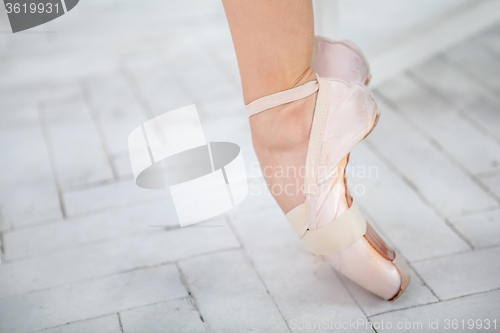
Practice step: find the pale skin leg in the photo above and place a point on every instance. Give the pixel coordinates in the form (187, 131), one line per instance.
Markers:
(274, 42)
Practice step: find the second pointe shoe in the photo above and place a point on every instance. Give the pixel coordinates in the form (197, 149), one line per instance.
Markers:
(329, 222)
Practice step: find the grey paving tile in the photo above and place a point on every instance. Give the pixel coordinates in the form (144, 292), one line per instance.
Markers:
(479, 60)
(19, 106)
(114, 194)
(90, 299)
(479, 104)
(75, 145)
(481, 229)
(115, 109)
(142, 64)
(36, 39)
(122, 165)
(28, 68)
(417, 294)
(221, 46)
(117, 121)
(441, 121)
(303, 294)
(493, 184)
(408, 222)
(462, 274)
(491, 38)
(233, 127)
(3, 43)
(158, 87)
(442, 182)
(28, 192)
(101, 259)
(226, 283)
(197, 71)
(224, 105)
(203, 80)
(18, 113)
(100, 227)
(441, 315)
(259, 198)
(111, 89)
(105, 324)
(174, 316)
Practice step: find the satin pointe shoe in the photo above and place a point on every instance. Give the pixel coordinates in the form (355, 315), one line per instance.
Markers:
(329, 222)
(341, 60)
(344, 60)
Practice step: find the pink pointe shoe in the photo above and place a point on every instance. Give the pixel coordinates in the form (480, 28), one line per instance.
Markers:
(344, 60)
(329, 223)
(341, 60)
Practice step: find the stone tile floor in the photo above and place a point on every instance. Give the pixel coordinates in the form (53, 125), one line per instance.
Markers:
(85, 250)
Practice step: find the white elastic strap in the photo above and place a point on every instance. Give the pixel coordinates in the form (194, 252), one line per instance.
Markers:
(334, 237)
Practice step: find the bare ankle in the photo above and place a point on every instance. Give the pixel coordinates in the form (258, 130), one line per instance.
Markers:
(285, 127)
(280, 138)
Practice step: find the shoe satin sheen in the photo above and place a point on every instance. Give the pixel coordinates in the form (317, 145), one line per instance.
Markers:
(351, 117)
(340, 60)
(352, 113)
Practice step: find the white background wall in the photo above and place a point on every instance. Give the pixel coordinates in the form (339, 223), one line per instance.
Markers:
(398, 34)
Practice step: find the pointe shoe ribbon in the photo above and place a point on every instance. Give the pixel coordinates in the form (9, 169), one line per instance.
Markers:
(282, 97)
